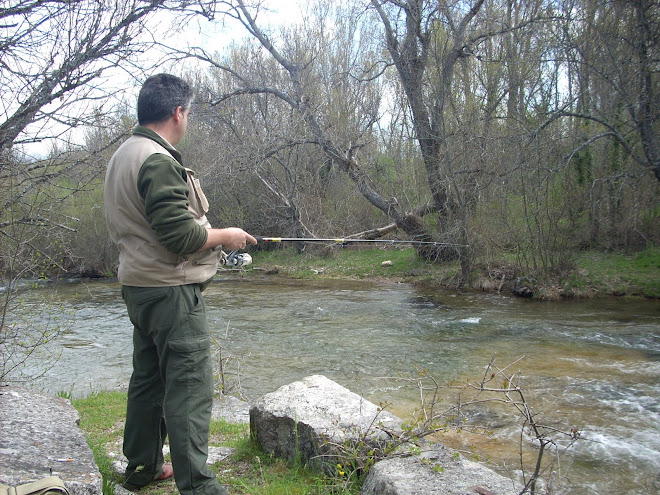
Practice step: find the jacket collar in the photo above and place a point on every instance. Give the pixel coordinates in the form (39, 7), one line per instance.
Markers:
(153, 135)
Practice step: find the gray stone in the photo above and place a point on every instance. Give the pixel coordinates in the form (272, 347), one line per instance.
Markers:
(438, 471)
(315, 418)
(40, 436)
(231, 409)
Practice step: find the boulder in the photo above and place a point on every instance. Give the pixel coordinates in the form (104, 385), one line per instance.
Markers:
(39, 437)
(314, 418)
(437, 471)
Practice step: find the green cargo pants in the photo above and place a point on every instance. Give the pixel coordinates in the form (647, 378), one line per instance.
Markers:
(171, 388)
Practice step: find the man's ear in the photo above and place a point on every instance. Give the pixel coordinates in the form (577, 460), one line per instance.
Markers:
(178, 114)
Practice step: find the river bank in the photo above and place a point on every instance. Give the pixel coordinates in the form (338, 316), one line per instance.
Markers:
(590, 274)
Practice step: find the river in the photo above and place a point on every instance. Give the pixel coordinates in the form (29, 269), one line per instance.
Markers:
(589, 364)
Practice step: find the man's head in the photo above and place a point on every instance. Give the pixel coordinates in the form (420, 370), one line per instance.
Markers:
(160, 97)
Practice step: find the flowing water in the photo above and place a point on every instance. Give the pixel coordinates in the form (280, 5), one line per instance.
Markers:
(593, 365)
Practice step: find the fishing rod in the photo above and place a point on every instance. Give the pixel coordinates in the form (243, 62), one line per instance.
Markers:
(349, 240)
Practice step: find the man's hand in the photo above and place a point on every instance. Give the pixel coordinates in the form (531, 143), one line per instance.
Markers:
(230, 238)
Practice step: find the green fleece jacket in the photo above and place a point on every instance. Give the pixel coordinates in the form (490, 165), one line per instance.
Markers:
(162, 183)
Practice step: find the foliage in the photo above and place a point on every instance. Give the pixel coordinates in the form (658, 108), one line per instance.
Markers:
(521, 161)
(89, 252)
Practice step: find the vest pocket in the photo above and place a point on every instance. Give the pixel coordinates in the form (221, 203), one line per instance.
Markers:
(200, 204)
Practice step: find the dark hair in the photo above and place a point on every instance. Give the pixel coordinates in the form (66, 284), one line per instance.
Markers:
(160, 96)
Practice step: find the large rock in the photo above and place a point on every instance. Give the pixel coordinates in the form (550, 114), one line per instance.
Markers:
(437, 471)
(40, 436)
(309, 419)
(317, 420)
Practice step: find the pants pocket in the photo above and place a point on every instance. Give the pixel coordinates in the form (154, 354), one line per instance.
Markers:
(190, 360)
(144, 305)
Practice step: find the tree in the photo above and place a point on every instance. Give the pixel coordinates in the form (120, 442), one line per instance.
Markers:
(54, 55)
(337, 99)
(615, 55)
(610, 54)
(311, 75)
(250, 151)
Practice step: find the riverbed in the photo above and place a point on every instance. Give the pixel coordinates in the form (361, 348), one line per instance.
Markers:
(588, 365)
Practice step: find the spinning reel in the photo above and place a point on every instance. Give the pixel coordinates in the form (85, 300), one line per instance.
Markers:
(235, 259)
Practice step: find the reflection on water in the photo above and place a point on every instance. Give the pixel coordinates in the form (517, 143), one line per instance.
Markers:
(590, 364)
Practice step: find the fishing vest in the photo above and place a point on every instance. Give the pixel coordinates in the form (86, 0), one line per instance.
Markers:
(143, 260)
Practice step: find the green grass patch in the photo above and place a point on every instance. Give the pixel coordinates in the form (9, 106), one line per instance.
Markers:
(354, 262)
(247, 471)
(101, 418)
(251, 471)
(619, 274)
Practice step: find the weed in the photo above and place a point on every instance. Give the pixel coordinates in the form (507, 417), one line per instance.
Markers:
(65, 394)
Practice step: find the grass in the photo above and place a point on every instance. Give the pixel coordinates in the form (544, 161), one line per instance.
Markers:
(590, 273)
(352, 262)
(101, 418)
(620, 274)
(247, 471)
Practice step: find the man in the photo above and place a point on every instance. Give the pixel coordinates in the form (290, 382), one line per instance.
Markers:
(156, 214)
